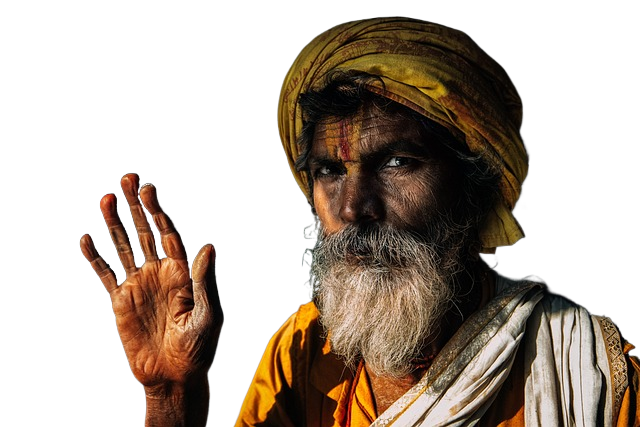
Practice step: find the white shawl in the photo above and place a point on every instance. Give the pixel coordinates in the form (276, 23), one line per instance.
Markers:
(567, 369)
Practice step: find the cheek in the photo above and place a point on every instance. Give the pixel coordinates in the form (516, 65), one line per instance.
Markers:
(410, 203)
(414, 201)
(324, 205)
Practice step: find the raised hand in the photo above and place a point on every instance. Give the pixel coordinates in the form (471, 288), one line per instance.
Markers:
(169, 323)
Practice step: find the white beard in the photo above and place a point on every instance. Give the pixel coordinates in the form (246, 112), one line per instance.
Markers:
(381, 294)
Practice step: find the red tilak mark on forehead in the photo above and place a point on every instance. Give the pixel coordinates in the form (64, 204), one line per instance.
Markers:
(345, 153)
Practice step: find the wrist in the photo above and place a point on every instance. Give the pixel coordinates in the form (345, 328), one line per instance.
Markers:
(178, 404)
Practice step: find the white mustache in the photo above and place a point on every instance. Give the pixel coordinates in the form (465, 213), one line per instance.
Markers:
(380, 246)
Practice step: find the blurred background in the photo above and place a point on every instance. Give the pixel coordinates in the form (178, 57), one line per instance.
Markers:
(186, 95)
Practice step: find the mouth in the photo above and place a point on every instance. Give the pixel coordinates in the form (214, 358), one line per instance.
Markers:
(358, 250)
(358, 259)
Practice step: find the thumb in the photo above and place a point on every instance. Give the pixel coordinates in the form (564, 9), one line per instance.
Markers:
(205, 293)
(202, 262)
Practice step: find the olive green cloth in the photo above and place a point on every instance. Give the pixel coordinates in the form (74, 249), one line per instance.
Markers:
(436, 71)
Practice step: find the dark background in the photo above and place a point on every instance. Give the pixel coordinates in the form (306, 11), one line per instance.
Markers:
(92, 90)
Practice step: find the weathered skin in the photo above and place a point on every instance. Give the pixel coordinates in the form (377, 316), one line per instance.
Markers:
(380, 167)
(169, 322)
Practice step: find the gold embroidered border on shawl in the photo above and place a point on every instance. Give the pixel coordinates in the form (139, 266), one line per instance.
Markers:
(617, 361)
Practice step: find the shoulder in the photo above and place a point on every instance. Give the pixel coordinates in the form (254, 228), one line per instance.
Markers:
(300, 332)
(562, 334)
(306, 318)
(277, 391)
(503, 283)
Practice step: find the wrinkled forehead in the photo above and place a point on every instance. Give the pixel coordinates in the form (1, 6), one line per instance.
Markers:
(371, 127)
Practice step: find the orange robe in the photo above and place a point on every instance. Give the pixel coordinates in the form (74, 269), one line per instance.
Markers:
(299, 382)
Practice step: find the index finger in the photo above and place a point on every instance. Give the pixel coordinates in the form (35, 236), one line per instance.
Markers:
(102, 269)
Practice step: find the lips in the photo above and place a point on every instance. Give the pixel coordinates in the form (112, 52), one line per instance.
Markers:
(361, 253)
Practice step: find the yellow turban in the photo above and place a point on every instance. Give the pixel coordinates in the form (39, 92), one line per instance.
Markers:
(438, 72)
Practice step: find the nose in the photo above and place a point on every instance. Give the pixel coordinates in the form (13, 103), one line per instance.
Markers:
(360, 200)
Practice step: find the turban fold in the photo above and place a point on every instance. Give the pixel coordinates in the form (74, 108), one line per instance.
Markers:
(436, 71)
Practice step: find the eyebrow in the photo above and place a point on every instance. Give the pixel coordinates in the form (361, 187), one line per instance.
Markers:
(394, 146)
(397, 146)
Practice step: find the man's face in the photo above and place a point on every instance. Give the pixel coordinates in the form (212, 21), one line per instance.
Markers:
(385, 264)
(379, 167)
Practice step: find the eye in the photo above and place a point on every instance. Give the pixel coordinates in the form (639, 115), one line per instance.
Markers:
(326, 171)
(396, 162)
(323, 171)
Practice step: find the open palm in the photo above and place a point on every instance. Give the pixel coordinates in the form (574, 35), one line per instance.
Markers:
(168, 322)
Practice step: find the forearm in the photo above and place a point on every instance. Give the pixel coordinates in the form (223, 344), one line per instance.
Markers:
(178, 405)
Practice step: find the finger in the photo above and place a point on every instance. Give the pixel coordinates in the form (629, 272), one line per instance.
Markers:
(130, 184)
(108, 206)
(202, 263)
(171, 241)
(205, 288)
(106, 274)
